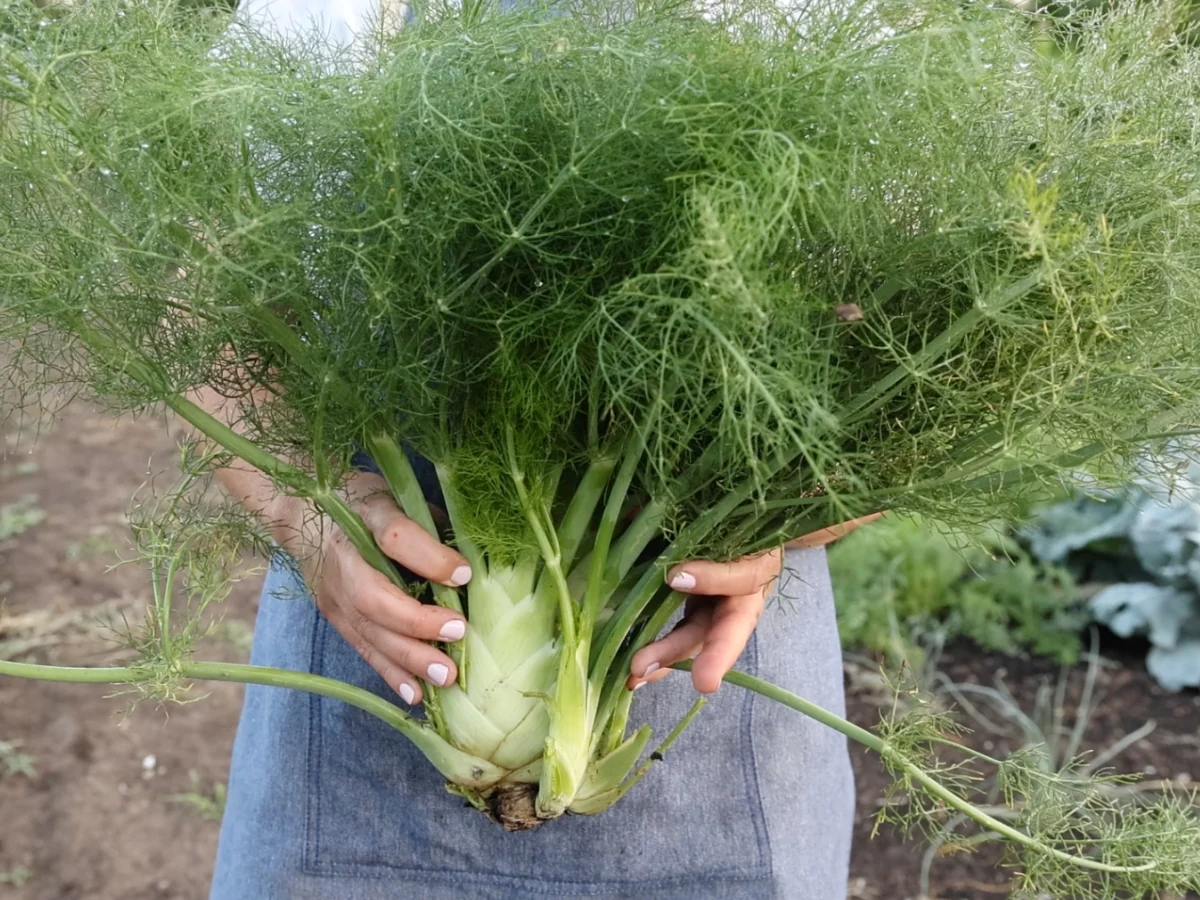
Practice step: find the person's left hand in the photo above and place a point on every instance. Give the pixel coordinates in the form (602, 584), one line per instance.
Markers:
(725, 603)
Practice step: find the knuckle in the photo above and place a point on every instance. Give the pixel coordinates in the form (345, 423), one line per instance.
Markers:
(368, 606)
(407, 655)
(360, 623)
(338, 539)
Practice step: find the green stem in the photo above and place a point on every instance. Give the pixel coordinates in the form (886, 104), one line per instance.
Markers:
(612, 679)
(282, 473)
(575, 521)
(465, 545)
(456, 765)
(598, 565)
(929, 784)
(550, 552)
(398, 472)
(628, 548)
(661, 751)
(615, 630)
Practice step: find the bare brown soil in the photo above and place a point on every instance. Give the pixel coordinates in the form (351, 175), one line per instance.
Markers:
(98, 821)
(102, 818)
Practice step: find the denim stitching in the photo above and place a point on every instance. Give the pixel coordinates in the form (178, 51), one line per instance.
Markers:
(754, 796)
(526, 884)
(312, 837)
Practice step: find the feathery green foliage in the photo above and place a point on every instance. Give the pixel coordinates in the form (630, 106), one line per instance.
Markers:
(649, 224)
(644, 282)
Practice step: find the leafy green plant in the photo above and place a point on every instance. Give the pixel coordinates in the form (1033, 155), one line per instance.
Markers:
(1141, 546)
(904, 587)
(642, 285)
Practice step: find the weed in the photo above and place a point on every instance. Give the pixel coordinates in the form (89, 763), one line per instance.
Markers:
(238, 633)
(17, 470)
(17, 518)
(209, 806)
(99, 542)
(14, 762)
(16, 876)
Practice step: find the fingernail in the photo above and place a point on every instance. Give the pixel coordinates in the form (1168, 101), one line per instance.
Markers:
(640, 685)
(460, 576)
(438, 673)
(453, 630)
(653, 667)
(682, 581)
(407, 694)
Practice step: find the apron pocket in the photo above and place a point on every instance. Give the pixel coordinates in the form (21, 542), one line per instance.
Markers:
(376, 808)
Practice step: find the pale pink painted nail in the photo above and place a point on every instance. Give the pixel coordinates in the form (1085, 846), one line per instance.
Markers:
(407, 694)
(460, 576)
(653, 667)
(453, 630)
(683, 581)
(438, 673)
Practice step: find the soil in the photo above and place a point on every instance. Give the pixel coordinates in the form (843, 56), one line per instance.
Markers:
(125, 807)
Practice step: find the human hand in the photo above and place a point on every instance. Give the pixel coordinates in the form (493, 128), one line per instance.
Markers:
(725, 603)
(388, 628)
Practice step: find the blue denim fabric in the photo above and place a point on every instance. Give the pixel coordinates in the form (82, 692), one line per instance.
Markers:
(754, 802)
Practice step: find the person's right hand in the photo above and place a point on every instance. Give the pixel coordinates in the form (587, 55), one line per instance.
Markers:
(390, 630)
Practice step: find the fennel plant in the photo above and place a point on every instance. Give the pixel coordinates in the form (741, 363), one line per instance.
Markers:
(644, 284)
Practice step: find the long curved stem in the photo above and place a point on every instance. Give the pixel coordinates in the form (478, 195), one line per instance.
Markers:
(468, 770)
(930, 784)
(460, 767)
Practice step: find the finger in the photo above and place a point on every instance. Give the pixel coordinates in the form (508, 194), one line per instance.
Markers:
(682, 642)
(748, 575)
(656, 675)
(412, 546)
(376, 600)
(409, 655)
(398, 679)
(828, 535)
(733, 621)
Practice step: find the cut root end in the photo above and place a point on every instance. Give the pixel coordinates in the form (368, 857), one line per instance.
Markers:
(513, 807)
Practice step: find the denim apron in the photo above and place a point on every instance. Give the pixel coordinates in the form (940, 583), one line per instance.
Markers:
(326, 802)
(753, 802)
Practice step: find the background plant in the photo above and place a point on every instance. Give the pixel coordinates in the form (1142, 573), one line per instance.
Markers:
(904, 588)
(1139, 551)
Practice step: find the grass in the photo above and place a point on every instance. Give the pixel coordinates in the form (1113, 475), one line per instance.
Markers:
(18, 470)
(1048, 735)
